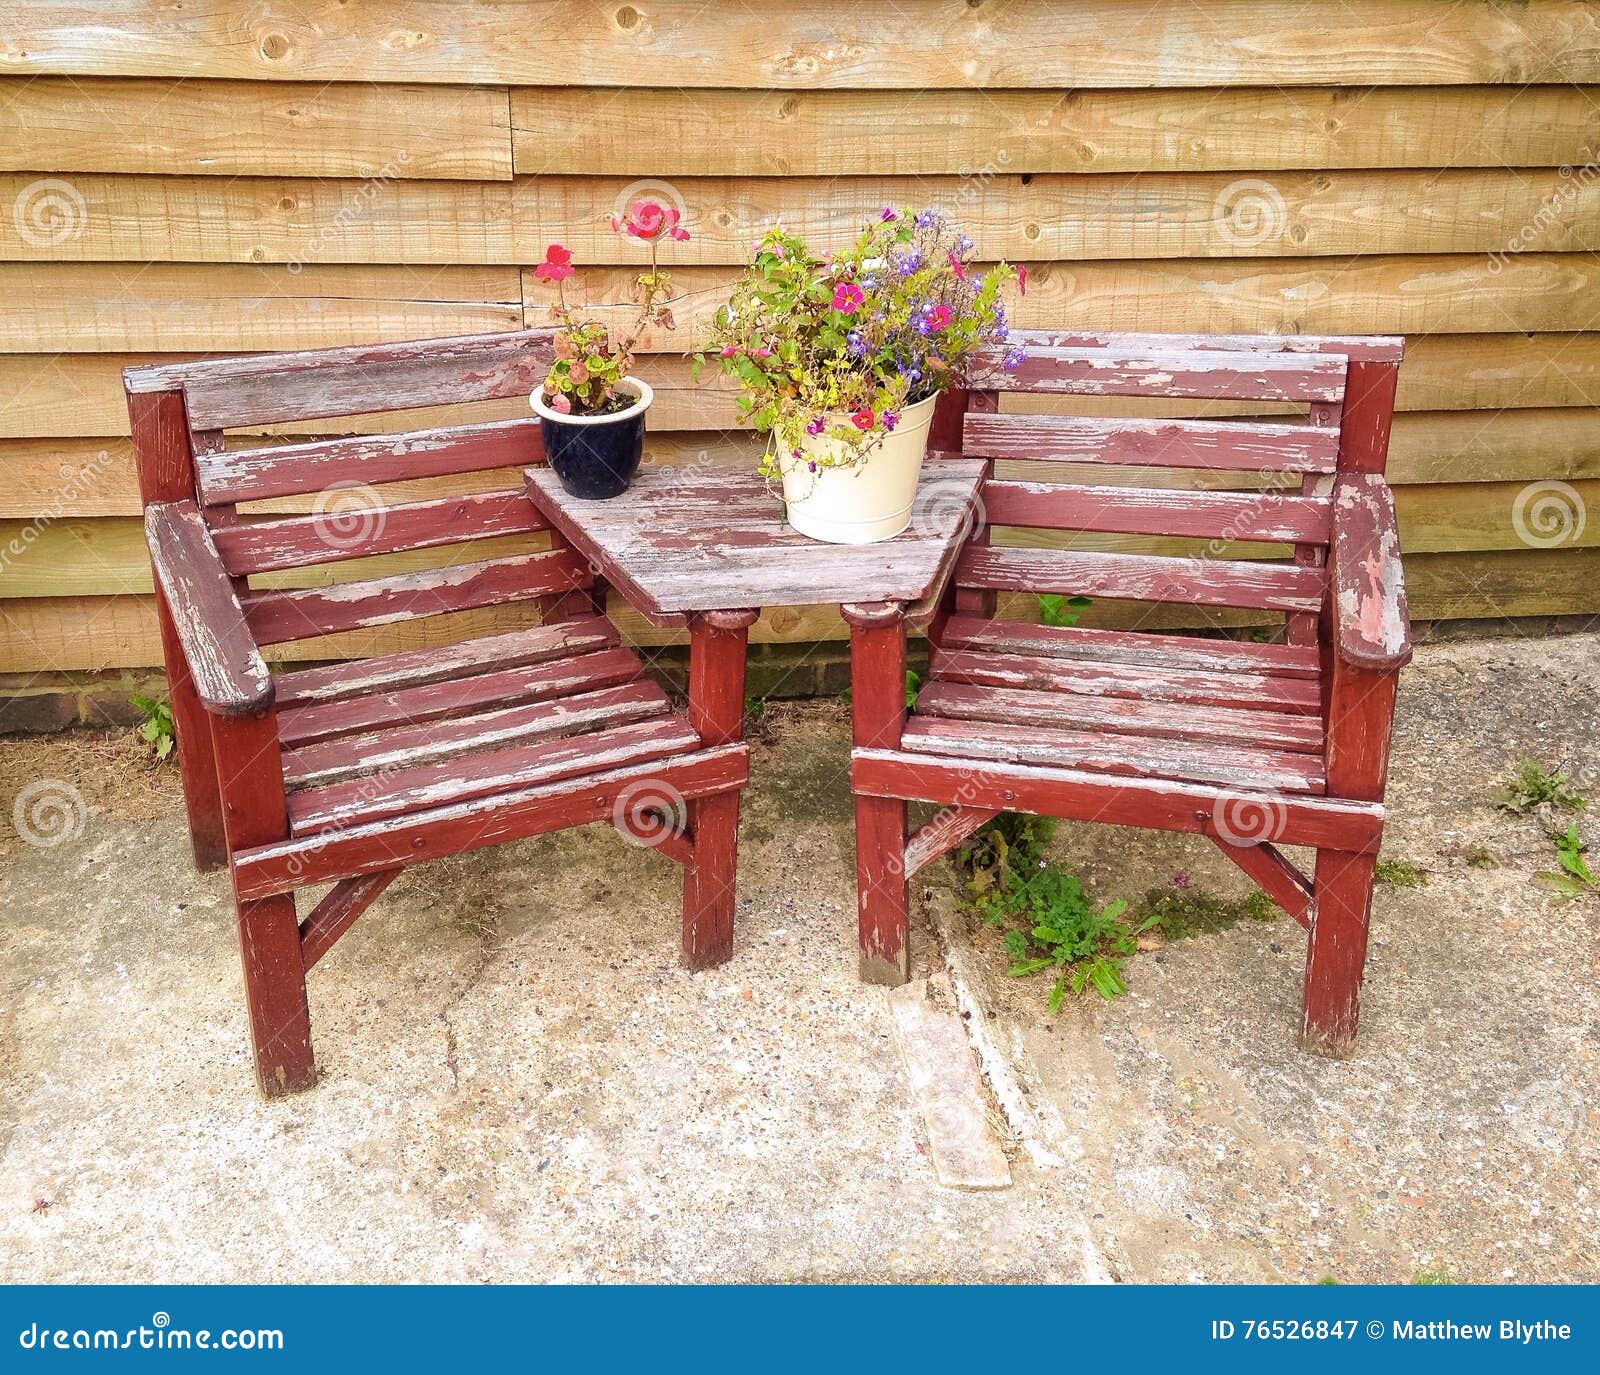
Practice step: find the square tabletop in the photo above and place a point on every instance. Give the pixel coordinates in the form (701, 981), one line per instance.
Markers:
(694, 538)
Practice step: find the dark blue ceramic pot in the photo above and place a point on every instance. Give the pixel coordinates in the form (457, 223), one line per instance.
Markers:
(595, 456)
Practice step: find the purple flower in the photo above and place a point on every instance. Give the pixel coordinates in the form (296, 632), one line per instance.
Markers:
(1014, 358)
(963, 244)
(926, 219)
(869, 282)
(796, 453)
(890, 420)
(817, 426)
(812, 465)
(913, 374)
(909, 262)
(888, 216)
(854, 344)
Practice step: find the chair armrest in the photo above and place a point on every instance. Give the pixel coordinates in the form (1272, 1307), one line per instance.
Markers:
(230, 677)
(1371, 628)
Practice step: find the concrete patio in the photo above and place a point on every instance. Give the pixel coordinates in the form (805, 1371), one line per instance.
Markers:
(520, 1084)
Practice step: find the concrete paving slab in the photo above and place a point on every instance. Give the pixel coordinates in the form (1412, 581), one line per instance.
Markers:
(522, 1085)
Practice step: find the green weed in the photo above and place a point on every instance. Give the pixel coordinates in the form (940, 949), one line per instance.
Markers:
(1400, 873)
(1531, 788)
(1055, 609)
(1574, 878)
(156, 730)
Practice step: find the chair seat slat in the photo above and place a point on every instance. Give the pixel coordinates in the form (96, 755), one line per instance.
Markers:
(359, 802)
(303, 613)
(1144, 757)
(1199, 687)
(1257, 586)
(1130, 647)
(1299, 733)
(411, 668)
(537, 682)
(1150, 443)
(1272, 517)
(425, 742)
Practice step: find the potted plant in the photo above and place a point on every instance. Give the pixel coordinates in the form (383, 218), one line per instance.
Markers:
(590, 406)
(842, 356)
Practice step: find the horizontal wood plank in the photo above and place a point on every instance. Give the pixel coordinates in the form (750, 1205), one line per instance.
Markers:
(425, 742)
(1234, 766)
(1273, 516)
(351, 526)
(64, 125)
(1245, 447)
(405, 791)
(1083, 795)
(1021, 215)
(502, 816)
(421, 667)
(538, 680)
(1134, 716)
(1376, 294)
(995, 132)
(1232, 686)
(235, 475)
(299, 613)
(1228, 376)
(875, 44)
(192, 308)
(1139, 577)
(1000, 636)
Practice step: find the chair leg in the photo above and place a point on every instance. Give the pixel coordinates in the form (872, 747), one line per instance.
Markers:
(1336, 951)
(709, 882)
(275, 993)
(881, 890)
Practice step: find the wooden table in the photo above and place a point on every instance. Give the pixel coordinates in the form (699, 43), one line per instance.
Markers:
(693, 539)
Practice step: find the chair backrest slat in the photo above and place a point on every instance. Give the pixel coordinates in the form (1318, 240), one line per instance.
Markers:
(1271, 517)
(1260, 586)
(356, 530)
(270, 388)
(371, 460)
(1172, 373)
(1244, 446)
(1136, 402)
(306, 613)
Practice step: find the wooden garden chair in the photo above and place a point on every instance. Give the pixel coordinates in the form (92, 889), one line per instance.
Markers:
(347, 772)
(1255, 746)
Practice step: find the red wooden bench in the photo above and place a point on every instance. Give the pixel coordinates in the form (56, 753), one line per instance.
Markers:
(1255, 746)
(347, 772)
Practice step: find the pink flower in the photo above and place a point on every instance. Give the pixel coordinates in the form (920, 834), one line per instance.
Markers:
(650, 220)
(730, 352)
(557, 264)
(863, 419)
(1022, 280)
(939, 317)
(762, 353)
(848, 298)
(958, 267)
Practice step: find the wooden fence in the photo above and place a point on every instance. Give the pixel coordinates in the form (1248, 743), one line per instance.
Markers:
(221, 177)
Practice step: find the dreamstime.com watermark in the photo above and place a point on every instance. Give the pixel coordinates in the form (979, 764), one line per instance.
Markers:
(160, 1335)
(1549, 214)
(356, 207)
